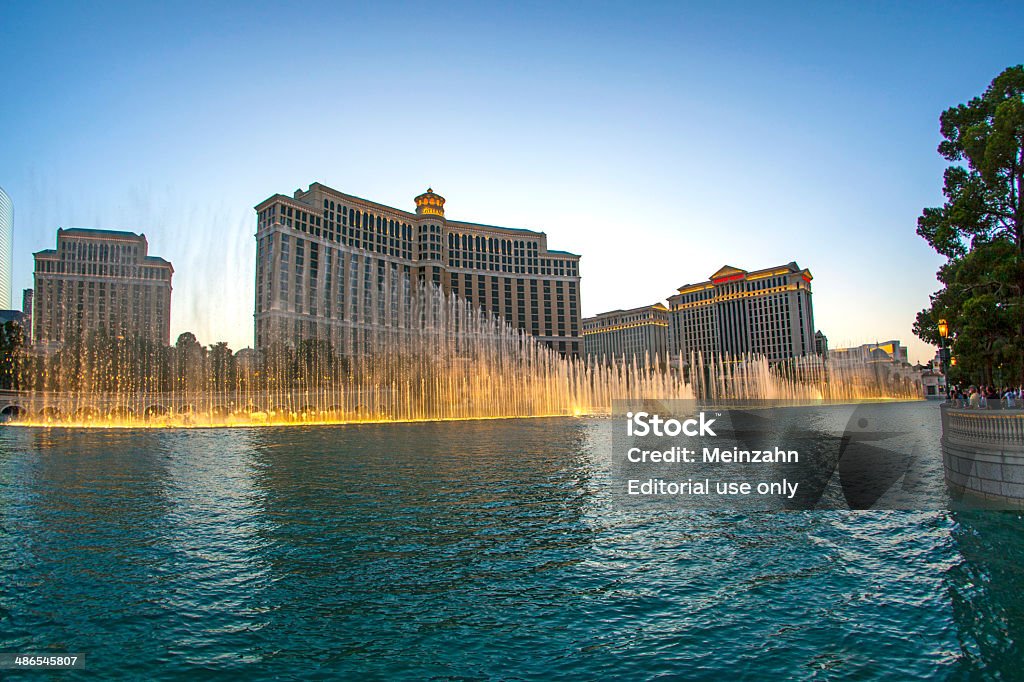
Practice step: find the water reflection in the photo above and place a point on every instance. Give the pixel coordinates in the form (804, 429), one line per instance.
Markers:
(399, 547)
(985, 588)
(467, 550)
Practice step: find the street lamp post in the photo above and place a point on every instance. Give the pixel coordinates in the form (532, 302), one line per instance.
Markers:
(944, 352)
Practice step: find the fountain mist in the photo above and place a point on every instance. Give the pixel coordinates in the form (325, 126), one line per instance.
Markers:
(431, 357)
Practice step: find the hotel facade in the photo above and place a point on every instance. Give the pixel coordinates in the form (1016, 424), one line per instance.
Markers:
(100, 281)
(332, 266)
(640, 333)
(765, 312)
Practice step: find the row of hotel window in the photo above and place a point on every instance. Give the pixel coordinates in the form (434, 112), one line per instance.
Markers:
(286, 262)
(394, 238)
(72, 249)
(758, 324)
(774, 340)
(86, 305)
(628, 335)
(159, 274)
(560, 319)
(761, 286)
(99, 290)
(349, 292)
(350, 339)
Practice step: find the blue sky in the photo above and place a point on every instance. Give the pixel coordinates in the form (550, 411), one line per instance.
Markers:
(658, 140)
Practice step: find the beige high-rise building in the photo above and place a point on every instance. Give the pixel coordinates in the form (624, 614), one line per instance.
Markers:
(640, 333)
(329, 265)
(765, 312)
(102, 282)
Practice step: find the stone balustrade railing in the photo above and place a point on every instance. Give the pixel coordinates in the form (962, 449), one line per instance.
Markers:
(991, 426)
(983, 453)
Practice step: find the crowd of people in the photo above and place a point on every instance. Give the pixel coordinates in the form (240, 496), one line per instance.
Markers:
(987, 397)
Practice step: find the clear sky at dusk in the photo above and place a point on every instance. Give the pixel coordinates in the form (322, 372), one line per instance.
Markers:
(660, 141)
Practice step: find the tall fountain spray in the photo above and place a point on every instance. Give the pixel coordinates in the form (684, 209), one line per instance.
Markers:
(432, 357)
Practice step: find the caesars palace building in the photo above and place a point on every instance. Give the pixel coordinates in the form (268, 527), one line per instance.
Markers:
(332, 266)
(764, 312)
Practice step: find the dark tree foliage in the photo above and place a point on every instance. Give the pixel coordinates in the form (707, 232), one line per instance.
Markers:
(12, 340)
(980, 231)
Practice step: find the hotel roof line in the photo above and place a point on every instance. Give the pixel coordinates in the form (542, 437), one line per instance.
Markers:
(730, 271)
(659, 305)
(408, 214)
(90, 231)
(110, 234)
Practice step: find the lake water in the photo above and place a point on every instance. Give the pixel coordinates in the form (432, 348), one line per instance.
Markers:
(471, 550)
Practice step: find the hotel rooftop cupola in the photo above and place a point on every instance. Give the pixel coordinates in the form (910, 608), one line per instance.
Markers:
(429, 203)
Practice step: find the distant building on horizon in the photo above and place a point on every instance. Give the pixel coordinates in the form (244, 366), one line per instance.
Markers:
(891, 351)
(765, 312)
(932, 379)
(820, 344)
(100, 281)
(329, 264)
(26, 307)
(627, 334)
(6, 235)
(15, 316)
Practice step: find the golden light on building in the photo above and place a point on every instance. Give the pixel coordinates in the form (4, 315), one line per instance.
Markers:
(766, 312)
(350, 251)
(627, 334)
(429, 203)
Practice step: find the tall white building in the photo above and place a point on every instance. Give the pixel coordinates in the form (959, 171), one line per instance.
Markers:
(328, 266)
(765, 312)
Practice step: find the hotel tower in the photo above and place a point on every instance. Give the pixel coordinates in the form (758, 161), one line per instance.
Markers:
(101, 281)
(638, 333)
(765, 312)
(330, 266)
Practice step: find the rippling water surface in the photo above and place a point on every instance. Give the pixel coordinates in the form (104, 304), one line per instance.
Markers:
(470, 550)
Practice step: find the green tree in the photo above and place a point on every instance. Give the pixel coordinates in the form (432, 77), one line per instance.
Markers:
(980, 231)
(189, 364)
(223, 367)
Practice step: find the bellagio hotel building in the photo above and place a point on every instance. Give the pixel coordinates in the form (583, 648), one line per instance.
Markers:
(329, 264)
